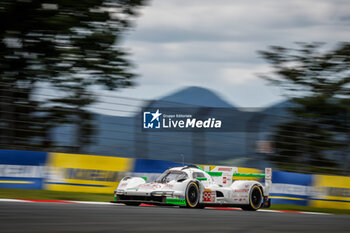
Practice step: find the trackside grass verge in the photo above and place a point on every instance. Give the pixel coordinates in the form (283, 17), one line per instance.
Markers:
(76, 196)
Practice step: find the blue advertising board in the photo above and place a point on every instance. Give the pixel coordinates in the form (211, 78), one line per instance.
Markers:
(290, 188)
(22, 169)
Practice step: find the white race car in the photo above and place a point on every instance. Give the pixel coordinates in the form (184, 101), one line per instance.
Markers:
(191, 186)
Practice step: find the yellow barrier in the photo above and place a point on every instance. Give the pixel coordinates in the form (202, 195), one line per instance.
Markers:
(85, 173)
(331, 192)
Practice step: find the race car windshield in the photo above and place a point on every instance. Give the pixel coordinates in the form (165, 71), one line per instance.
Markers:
(168, 176)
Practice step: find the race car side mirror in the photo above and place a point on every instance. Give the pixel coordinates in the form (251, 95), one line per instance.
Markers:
(201, 178)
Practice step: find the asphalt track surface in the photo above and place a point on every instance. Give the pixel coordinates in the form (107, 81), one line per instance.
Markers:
(63, 217)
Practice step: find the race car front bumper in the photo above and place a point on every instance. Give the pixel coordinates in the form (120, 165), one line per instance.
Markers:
(152, 199)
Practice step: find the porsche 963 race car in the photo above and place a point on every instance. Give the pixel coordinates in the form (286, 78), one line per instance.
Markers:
(191, 186)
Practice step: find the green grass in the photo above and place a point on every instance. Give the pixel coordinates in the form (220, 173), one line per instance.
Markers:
(75, 196)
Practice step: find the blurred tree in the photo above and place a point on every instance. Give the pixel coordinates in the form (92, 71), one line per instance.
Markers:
(66, 46)
(317, 139)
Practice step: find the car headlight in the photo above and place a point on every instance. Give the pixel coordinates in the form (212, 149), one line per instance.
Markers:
(168, 193)
(162, 193)
(119, 192)
(157, 193)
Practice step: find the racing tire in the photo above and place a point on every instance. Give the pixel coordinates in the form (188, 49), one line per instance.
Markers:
(255, 199)
(133, 204)
(192, 195)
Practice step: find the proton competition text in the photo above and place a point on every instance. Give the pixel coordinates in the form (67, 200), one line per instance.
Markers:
(60, 173)
(28, 171)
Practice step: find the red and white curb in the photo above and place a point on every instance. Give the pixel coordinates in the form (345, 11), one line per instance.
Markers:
(110, 203)
(58, 201)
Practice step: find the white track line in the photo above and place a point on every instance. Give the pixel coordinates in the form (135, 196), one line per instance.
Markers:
(297, 212)
(12, 200)
(315, 213)
(268, 211)
(96, 203)
(110, 203)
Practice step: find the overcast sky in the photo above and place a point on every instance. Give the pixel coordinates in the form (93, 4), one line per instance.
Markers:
(213, 44)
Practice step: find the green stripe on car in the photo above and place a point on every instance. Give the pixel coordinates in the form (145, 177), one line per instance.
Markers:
(215, 173)
(249, 175)
(175, 201)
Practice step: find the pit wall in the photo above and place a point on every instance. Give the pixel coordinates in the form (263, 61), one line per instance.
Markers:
(101, 174)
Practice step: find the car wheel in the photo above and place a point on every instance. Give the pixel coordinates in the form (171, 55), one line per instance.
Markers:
(255, 199)
(192, 195)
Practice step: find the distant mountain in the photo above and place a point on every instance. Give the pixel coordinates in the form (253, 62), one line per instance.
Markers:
(280, 109)
(196, 96)
(275, 115)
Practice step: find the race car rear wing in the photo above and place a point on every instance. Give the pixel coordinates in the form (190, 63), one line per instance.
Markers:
(268, 180)
(225, 175)
(267, 175)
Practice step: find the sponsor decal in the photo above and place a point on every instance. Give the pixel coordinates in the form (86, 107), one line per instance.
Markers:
(151, 185)
(156, 186)
(7, 170)
(226, 169)
(60, 174)
(241, 190)
(169, 186)
(209, 196)
(268, 173)
(224, 179)
(339, 192)
(331, 191)
(292, 189)
(85, 173)
(91, 174)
